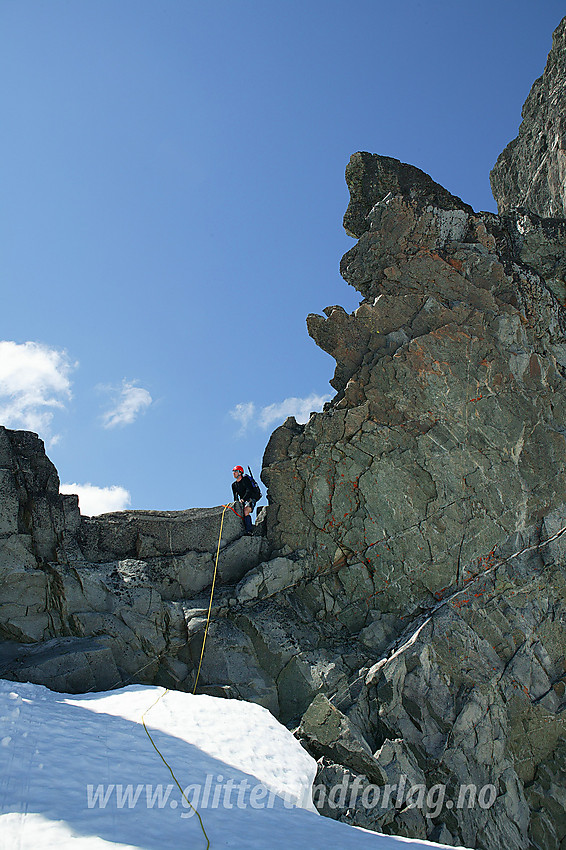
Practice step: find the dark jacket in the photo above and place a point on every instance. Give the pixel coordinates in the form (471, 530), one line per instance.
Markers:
(243, 489)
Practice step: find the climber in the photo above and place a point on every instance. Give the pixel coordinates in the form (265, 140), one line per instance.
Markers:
(243, 491)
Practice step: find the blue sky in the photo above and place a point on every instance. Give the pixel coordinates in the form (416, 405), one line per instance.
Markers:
(173, 193)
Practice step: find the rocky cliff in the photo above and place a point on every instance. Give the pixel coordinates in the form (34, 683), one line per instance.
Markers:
(531, 171)
(403, 602)
(428, 502)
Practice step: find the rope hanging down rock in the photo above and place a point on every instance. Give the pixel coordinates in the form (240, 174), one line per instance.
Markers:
(166, 691)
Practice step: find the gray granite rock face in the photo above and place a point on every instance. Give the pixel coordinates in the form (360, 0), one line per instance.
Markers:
(531, 171)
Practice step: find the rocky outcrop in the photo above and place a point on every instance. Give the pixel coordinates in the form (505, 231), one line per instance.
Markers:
(429, 505)
(374, 179)
(92, 603)
(446, 434)
(531, 171)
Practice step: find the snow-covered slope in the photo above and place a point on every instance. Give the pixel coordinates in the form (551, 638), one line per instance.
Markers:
(81, 771)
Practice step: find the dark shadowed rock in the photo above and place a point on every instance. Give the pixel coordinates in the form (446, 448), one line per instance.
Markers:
(540, 243)
(371, 178)
(71, 665)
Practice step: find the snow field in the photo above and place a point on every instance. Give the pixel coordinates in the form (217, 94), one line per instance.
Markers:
(80, 772)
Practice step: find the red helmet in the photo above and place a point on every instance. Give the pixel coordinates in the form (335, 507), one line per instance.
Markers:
(238, 469)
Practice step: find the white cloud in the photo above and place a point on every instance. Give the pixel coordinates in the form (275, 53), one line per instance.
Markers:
(274, 414)
(300, 408)
(34, 382)
(130, 402)
(244, 414)
(98, 500)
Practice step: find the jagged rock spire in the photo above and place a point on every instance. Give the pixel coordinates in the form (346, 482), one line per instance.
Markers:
(531, 171)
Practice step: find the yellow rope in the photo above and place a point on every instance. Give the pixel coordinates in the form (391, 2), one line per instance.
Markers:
(210, 603)
(166, 763)
(166, 691)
